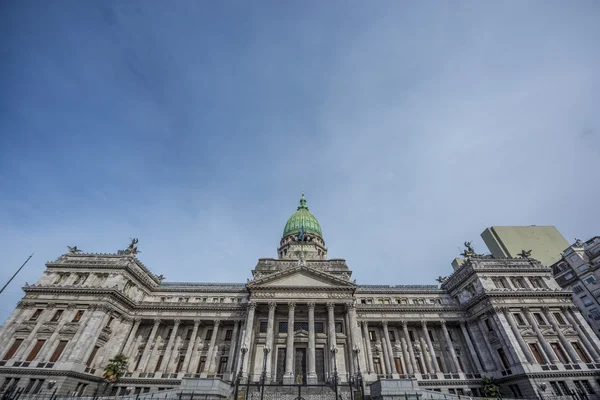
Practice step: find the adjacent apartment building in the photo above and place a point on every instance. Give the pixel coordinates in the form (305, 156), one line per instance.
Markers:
(579, 270)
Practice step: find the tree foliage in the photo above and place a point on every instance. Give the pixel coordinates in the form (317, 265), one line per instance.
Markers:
(115, 369)
(490, 387)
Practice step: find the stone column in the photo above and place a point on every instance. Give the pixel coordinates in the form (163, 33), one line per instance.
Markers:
(85, 345)
(210, 356)
(434, 363)
(390, 351)
(190, 348)
(510, 350)
(248, 337)
(515, 329)
(288, 377)
(426, 358)
(542, 341)
(174, 358)
(354, 333)
(408, 368)
(565, 343)
(232, 346)
(368, 353)
(147, 353)
(270, 338)
(169, 347)
(493, 354)
(350, 347)
(450, 347)
(385, 353)
(131, 338)
(331, 336)
(413, 360)
(472, 352)
(312, 369)
(582, 325)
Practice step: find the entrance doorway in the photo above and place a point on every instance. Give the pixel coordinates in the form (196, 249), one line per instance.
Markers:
(300, 366)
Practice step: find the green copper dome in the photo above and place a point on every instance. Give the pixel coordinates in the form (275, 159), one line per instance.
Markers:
(302, 217)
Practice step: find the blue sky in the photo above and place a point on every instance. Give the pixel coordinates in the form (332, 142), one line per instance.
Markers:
(195, 125)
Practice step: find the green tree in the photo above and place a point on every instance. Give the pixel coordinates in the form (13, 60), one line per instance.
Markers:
(115, 369)
(490, 387)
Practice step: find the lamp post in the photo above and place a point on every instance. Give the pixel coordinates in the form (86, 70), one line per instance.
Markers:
(357, 380)
(238, 378)
(334, 351)
(263, 376)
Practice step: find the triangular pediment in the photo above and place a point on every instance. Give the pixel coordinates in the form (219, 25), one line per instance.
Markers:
(301, 276)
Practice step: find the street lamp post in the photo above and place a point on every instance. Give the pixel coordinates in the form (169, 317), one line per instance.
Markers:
(263, 376)
(334, 351)
(358, 379)
(238, 378)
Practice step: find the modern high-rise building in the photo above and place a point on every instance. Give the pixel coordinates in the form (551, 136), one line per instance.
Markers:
(545, 242)
(299, 320)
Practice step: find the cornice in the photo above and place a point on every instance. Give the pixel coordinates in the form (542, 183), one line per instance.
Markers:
(190, 307)
(149, 381)
(550, 375)
(71, 290)
(402, 308)
(48, 372)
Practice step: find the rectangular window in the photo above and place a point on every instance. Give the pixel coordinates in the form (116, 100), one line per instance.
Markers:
(319, 327)
(577, 289)
(201, 365)
(411, 335)
(77, 316)
(369, 301)
(36, 349)
(555, 388)
(450, 334)
(439, 363)
(536, 282)
(559, 353)
(179, 364)
(588, 387)
(569, 276)
(29, 386)
(563, 387)
(222, 366)
(59, 350)
(594, 313)
(503, 358)
(590, 280)
(283, 327)
(188, 334)
(57, 315)
(539, 319)
(519, 319)
(301, 326)
(372, 336)
(339, 327)
(208, 334)
(262, 327)
(488, 325)
(499, 282)
(519, 283)
(586, 300)
(398, 363)
(110, 321)
(392, 336)
(581, 353)
(419, 364)
(36, 315)
(535, 350)
(377, 366)
(91, 357)
(582, 267)
(559, 318)
(13, 349)
(38, 386)
(228, 334)
(431, 336)
(160, 359)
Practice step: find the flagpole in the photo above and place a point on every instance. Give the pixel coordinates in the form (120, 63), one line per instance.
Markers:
(13, 277)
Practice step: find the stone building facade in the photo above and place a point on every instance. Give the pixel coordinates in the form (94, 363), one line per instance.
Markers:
(501, 318)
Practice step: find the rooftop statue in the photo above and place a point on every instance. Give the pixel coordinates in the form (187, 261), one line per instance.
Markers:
(73, 249)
